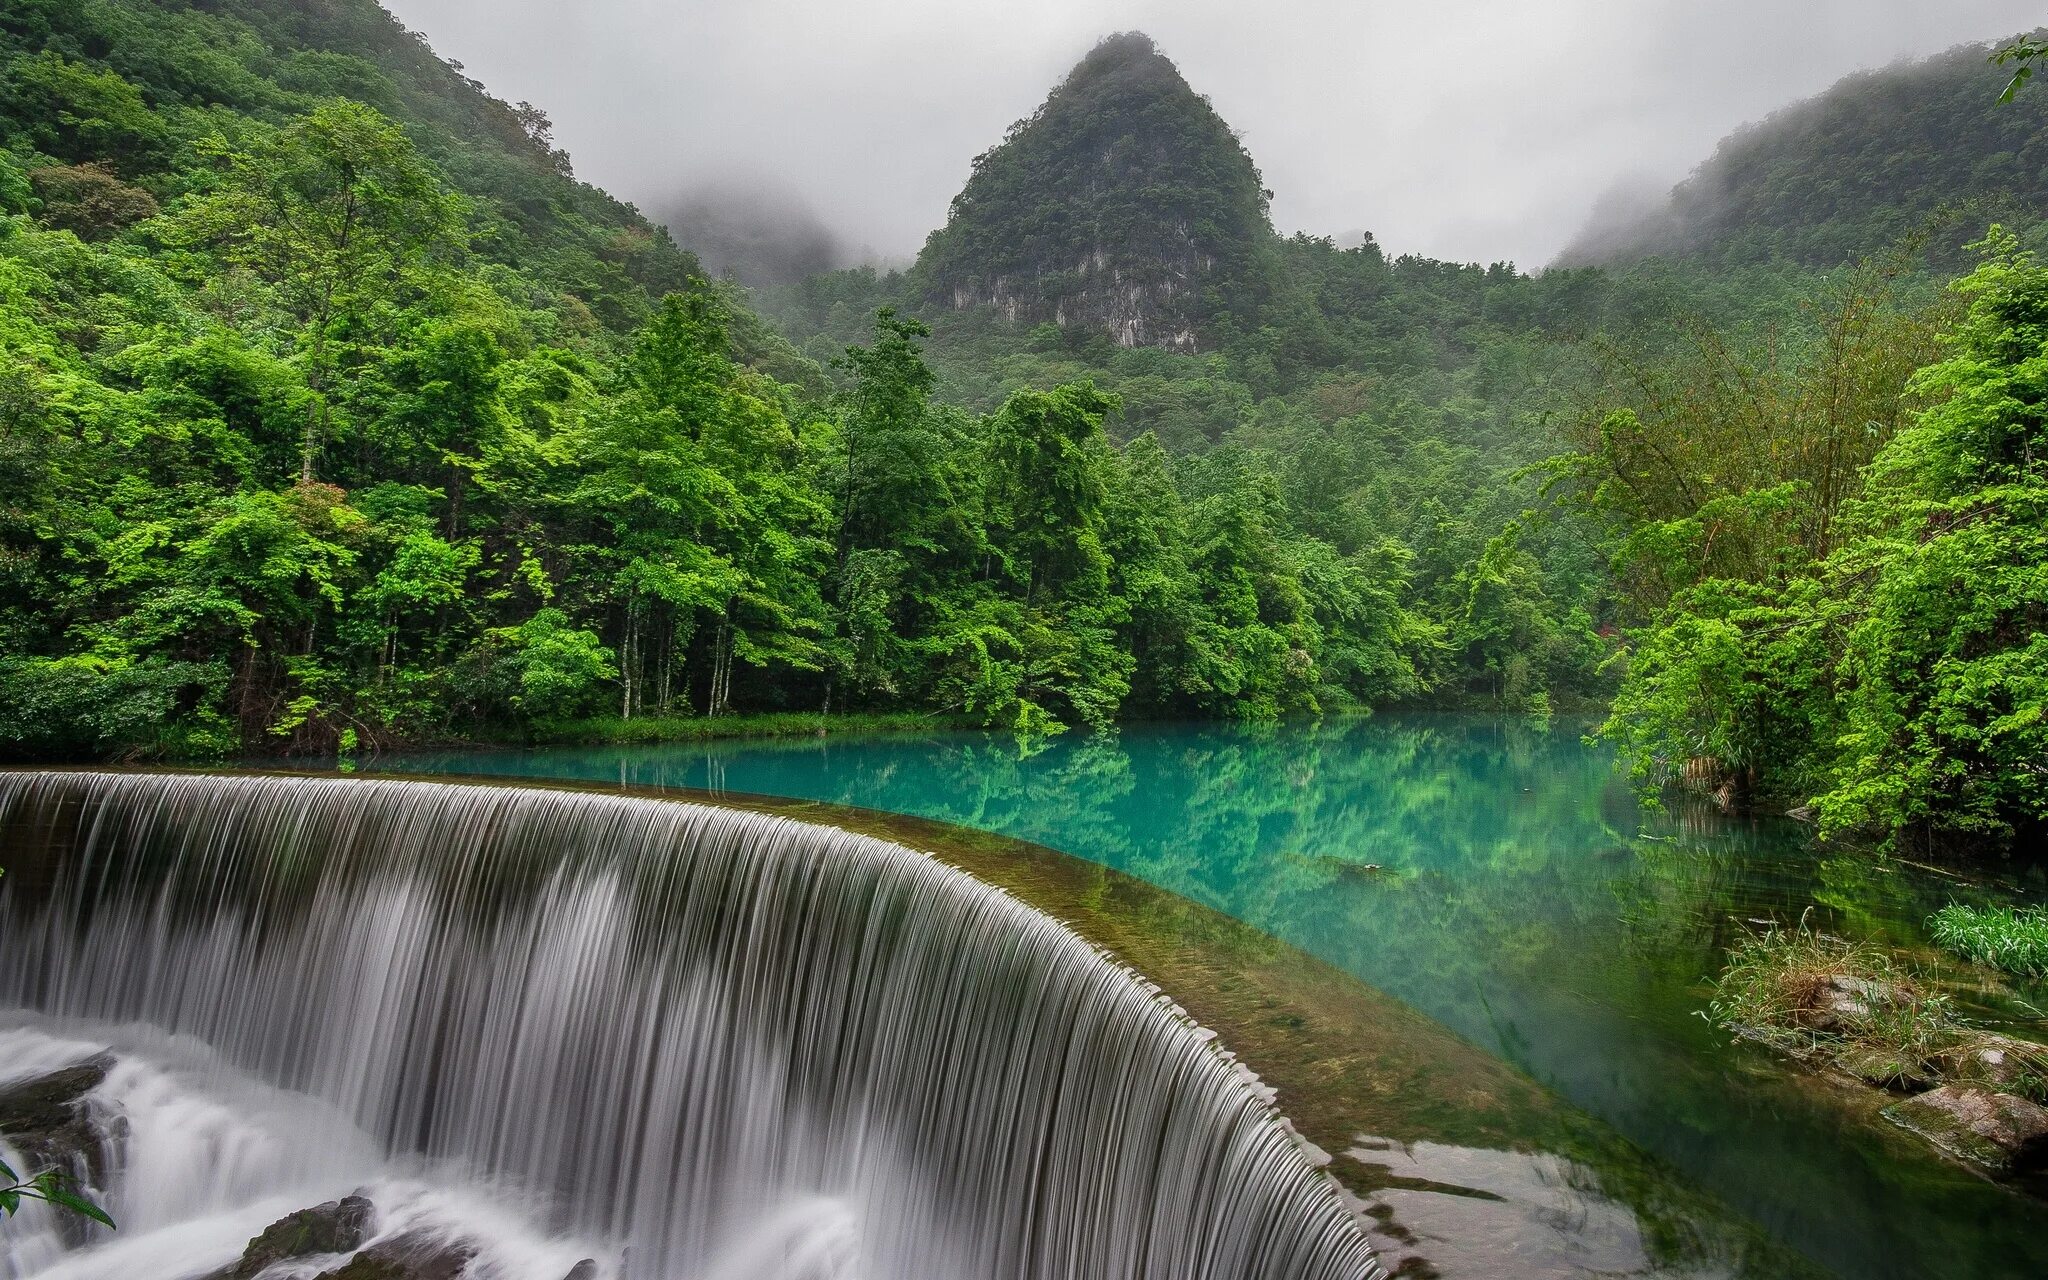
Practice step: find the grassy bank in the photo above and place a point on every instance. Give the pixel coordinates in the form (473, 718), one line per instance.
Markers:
(611, 731)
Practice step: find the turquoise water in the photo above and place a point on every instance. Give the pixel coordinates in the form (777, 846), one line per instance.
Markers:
(1496, 875)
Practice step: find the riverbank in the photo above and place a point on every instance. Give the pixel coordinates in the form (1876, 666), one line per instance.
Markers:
(617, 731)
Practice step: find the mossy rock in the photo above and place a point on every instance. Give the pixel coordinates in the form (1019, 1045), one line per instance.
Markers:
(45, 1118)
(338, 1226)
(1997, 1132)
(1884, 1067)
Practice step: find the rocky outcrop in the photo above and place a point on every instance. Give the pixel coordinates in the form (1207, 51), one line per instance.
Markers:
(1994, 1061)
(339, 1226)
(47, 1119)
(1843, 1003)
(584, 1270)
(1997, 1132)
(1123, 206)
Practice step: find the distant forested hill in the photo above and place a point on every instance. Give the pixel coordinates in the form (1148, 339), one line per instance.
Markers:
(1884, 155)
(1124, 204)
(131, 86)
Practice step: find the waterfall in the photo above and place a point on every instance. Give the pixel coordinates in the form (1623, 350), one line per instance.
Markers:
(691, 1042)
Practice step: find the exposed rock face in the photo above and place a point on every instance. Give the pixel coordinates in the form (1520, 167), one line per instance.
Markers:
(415, 1255)
(338, 1226)
(1996, 1131)
(1125, 205)
(46, 1118)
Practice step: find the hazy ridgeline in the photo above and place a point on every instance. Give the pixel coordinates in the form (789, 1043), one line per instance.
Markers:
(718, 1044)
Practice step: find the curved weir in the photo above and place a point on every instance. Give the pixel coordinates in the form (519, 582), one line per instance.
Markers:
(717, 1044)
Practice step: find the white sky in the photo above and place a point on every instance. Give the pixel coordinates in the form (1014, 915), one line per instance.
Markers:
(1468, 129)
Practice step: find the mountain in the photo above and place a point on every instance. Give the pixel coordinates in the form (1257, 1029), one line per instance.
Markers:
(1881, 156)
(1124, 204)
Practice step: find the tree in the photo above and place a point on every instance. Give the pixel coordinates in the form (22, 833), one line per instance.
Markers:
(336, 215)
(1944, 595)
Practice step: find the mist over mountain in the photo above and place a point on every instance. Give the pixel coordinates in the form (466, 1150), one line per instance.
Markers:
(1915, 149)
(753, 229)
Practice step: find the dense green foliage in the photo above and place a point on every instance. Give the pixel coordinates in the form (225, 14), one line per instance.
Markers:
(334, 414)
(1123, 204)
(1877, 639)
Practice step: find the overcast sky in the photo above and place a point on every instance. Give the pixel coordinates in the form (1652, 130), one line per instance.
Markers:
(1468, 129)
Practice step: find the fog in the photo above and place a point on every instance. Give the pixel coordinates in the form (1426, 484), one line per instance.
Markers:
(1480, 130)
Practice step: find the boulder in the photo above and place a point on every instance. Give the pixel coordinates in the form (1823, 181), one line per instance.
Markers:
(1995, 1131)
(1999, 1062)
(47, 1120)
(338, 1226)
(587, 1269)
(1885, 1068)
(1843, 1002)
(413, 1255)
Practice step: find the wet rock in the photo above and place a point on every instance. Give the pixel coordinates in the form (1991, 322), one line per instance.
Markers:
(46, 1118)
(1843, 1002)
(1999, 1062)
(414, 1255)
(335, 1227)
(1996, 1131)
(1885, 1067)
(586, 1269)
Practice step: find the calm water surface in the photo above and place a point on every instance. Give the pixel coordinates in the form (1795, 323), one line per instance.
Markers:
(1499, 877)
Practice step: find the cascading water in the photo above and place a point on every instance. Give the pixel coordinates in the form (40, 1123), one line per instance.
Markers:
(686, 1041)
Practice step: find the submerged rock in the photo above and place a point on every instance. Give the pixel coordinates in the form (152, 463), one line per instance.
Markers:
(1886, 1067)
(1996, 1131)
(414, 1255)
(335, 1227)
(46, 1118)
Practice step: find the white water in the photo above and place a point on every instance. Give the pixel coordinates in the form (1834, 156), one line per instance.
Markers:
(688, 1042)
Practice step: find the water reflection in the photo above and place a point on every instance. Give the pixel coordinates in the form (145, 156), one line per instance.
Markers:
(1465, 1213)
(1498, 876)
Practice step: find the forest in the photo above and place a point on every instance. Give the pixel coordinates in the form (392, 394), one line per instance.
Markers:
(337, 415)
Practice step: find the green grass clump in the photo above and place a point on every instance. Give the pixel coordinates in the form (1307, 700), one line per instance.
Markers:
(2001, 937)
(1846, 1004)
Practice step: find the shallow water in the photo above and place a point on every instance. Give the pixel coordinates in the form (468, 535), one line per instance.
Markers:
(1499, 877)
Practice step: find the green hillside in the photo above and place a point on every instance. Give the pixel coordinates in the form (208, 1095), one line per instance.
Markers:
(1916, 149)
(1123, 204)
